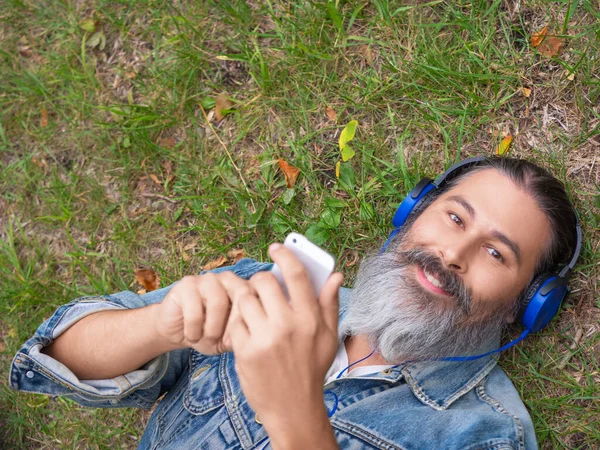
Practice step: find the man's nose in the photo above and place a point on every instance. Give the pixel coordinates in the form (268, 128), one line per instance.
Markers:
(454, 255)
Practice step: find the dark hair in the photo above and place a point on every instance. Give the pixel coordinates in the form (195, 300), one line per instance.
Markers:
(550, 196)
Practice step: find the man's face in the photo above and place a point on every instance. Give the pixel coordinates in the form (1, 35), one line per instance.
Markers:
(486, 231)
(448, 285)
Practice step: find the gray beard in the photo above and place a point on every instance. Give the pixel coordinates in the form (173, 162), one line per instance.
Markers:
(405, 322)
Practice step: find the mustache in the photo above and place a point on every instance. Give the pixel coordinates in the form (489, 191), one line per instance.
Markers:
(450, 281)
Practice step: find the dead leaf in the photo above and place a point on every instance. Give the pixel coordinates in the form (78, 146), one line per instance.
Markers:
(141, 291)
(221, 103)
(218, 262)
(353, 261)
(367, 53)
(147, 278)
(570, 76)
(504, 145)
(168, 142)
(155, 179)
(537, 38)
(331, 114)
(44, 118)
(290, 172)
(235, 255)
(551, 46)
(24, 48)
(130, 75)
(526, 92)
(190, 246)
(2, 347)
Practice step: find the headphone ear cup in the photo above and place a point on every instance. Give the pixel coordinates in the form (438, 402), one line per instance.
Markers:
(542, 300)
(413, 198)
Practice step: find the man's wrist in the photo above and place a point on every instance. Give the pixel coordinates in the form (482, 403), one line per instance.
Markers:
(159, 341)
(301, 431)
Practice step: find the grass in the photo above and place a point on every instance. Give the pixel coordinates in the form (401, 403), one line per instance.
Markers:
(107, 162)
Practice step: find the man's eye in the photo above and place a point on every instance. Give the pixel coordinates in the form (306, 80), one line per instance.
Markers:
(457, 220)
(495, 254)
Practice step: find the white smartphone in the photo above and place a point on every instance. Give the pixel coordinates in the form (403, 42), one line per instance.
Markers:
(318, 263)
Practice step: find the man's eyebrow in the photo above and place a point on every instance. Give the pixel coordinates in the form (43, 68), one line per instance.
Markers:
(465, 204)
(509, 243)
(514, 247)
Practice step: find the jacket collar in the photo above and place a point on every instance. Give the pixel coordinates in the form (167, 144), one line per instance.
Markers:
(437, 384)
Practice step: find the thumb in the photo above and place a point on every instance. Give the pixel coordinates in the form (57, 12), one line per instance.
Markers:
(329, 301)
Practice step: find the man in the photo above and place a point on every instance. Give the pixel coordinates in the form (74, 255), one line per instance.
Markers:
(445, 286)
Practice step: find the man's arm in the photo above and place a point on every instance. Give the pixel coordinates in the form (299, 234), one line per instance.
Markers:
(109, 343)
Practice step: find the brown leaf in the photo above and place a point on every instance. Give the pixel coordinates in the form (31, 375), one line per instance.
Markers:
(354, 260)
(130, 75)
(537, 38)
(218, 262)
(24, 48)
(235, 255)
(155, 179)
(526, 92)
(190, 246)
(221, 103)
(551, 46)
(290, 172)
(147, 278)
(168, 142)
(44, 118)
(331, 114)
(367, 53)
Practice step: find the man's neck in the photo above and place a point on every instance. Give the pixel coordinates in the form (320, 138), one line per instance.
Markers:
(357, 347)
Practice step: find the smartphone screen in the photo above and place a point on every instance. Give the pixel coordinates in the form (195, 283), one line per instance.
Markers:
(318, 263)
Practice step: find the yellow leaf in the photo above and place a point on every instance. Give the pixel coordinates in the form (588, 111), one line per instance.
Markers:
(290, 172)
(537, 38)
(347, 133)
(337, 169)
(526, 92)
(504, 145)
(347, 153)
(221, 103)
(147, 278)
(88, 25)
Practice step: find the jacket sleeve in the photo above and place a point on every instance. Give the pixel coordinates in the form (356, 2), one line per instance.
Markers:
(33, 371)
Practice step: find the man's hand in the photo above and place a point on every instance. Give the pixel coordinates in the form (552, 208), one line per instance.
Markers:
(196, 311)
(283, 351)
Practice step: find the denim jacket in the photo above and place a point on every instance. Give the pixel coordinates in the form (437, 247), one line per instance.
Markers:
(429, 405)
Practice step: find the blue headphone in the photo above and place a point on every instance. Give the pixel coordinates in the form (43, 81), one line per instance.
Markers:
(545, 293)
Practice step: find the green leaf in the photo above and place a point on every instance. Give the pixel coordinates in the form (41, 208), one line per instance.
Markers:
(347, 153)
(94, 39)
(318, 234)
(288, 195)
(177, 214)
(331, 219)
(334, 203)
(279, 223)
(347, 133)
(126, 142)
(88, 25)
(102, 42)
(334, 15)
(207, 103)
(347, 178)
(366, 211)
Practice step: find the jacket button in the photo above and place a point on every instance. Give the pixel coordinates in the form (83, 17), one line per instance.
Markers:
(257, 419)
(29, 374)
(387, 371)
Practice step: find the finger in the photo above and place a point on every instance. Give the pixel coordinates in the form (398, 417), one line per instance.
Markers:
(252, 313)
(238, 332)
(302, 295)
(329, 301)
(217, 308)
(270, 294)
(235, 286)
(192, 308)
